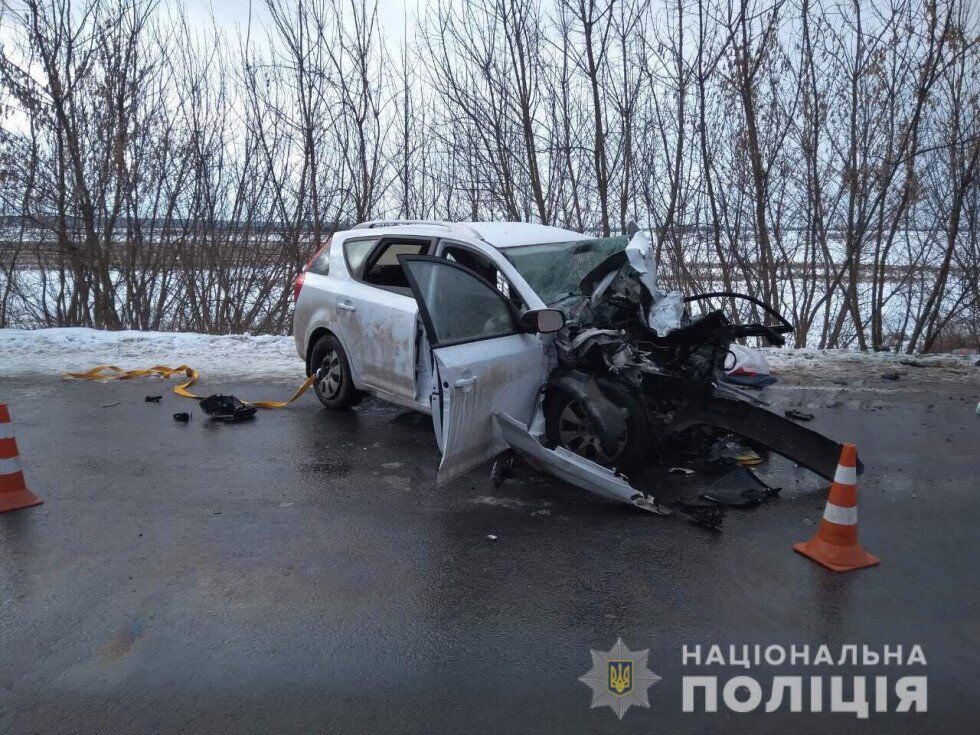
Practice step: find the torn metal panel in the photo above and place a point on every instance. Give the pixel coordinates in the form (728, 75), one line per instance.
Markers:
(574, 469)
(641, 257)
(666, 313)
(797, 443)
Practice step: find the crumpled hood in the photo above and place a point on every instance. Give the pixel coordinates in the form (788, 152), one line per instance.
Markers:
(631, 274)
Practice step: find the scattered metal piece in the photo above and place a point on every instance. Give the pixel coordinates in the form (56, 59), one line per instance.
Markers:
(183, 417)
(153, 399)
(110, 405)
(649, 503)
(227, 408)
(491, 537)
(680, 471)
(798, 415)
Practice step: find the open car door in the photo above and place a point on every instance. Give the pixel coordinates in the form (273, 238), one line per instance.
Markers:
(484, 363)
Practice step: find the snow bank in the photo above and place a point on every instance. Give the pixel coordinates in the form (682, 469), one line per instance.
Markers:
(787, 361)
(54, 351)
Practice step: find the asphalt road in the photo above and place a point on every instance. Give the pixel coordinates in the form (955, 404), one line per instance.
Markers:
(301, 573)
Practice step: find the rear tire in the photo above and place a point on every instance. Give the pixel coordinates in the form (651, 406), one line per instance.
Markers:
(636, 449)
(336, 391)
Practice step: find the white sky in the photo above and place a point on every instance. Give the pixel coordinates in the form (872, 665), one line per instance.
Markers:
(232, 15)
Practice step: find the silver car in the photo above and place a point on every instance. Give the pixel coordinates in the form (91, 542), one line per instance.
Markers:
(551, 343)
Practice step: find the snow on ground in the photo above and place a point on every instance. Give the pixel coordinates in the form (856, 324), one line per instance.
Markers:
(55, 351)
(274, 358)
(795, 366)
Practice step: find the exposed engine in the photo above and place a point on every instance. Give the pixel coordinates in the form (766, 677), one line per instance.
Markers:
(638, 384)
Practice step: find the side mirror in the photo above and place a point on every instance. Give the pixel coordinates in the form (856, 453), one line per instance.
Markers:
(542, 321)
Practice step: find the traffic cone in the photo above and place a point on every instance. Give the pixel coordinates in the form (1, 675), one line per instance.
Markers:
(835, 544)
(13, 491)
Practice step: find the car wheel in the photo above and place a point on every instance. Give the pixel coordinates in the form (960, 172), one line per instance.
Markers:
(336, 389)
(568, 425)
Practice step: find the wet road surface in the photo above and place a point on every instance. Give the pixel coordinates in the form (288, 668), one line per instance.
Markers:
(301, 573)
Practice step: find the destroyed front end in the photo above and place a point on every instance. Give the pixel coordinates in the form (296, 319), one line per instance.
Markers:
(638, 384)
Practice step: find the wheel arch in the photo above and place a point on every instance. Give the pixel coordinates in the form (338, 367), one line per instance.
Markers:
(315, 337)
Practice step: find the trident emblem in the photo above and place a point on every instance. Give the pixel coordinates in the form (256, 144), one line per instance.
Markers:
(620, 676)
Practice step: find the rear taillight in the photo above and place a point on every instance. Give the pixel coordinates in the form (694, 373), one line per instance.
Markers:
(298, 285)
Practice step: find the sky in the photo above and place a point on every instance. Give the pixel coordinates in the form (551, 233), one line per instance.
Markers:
(232, 15)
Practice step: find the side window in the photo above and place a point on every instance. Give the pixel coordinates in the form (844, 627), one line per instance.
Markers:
(356, 252)
(458, 306)
(320, 262)
(479, 264)
(384, 270)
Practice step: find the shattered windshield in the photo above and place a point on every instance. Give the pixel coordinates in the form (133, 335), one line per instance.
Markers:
(555, 269)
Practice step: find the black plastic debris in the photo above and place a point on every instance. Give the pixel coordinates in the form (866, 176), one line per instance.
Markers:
(798, 415)
(706, 516)
(153, 399)
(183, 417)
(227, 408)
(739, 488)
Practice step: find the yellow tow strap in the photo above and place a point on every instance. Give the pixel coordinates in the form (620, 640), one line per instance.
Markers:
(111, 372)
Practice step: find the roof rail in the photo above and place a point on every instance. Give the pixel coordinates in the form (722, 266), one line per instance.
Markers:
(432, 223)
(371, 224)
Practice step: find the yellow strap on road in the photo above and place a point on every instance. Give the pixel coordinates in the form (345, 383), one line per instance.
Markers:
(111, 372)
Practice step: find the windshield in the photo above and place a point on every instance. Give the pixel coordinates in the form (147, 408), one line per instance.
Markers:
(555, 269)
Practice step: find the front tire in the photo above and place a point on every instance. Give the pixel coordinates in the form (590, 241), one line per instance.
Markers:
(336, 390)
(567, 425)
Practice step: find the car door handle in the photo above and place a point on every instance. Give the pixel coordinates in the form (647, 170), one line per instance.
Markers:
(465, 382)
(346, 306)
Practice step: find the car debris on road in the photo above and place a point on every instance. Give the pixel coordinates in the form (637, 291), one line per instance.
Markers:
(227, 408)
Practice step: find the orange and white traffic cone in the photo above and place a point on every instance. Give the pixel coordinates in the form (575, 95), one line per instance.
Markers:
(835, 544)
(13, 490)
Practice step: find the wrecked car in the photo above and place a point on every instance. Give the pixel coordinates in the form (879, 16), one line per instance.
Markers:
(535, 340)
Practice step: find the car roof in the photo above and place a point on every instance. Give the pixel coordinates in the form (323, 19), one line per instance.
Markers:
(512, 234)
(500, 235)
